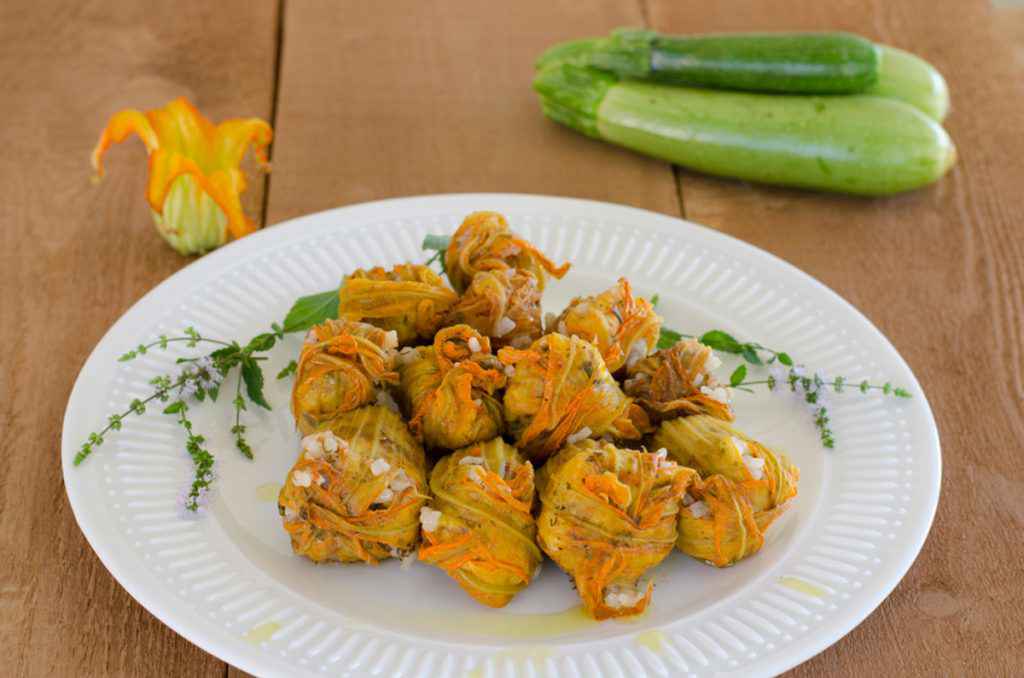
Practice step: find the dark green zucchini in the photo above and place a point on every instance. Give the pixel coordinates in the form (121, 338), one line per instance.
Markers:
(793, 63)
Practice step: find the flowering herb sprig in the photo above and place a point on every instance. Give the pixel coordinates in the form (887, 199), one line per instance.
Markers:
(813, 387)
(199, 378)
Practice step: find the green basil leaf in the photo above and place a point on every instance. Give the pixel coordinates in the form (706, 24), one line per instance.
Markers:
(311, 310)
(738, 375)
(252, 375)
(785, 359)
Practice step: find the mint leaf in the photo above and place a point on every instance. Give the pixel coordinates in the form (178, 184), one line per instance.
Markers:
(738, 375)
(252, 375)
(750, 354)
(436, 243)
(261, 342)
(288, 370)
(668, 338)
(311, 310)
(721, 341)
(174, 407)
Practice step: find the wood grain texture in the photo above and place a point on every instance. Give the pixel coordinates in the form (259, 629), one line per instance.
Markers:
(384, 99)
(405, 98)
(941, 272)
(73, 257)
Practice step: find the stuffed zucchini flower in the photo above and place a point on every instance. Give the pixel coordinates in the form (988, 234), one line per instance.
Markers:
(341, 367)
(478, 528)
(484, 242)
(195, 182)
(747, 487)
(678, 381)
(713, 447)
(501, 305)
(410, 299)
(355, 492)
(608, 516)
(623, 327)
(449, 389)
(560, 391)
(719, 526)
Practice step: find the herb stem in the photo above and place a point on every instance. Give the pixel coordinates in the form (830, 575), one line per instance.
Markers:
(137, 406)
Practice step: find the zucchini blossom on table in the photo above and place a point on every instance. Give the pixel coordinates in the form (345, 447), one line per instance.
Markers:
(341, 367)
(678, 381)
(624, 328)
(410, 299)
(449, 389)
(484, 242)
(355, 493)
(608, 516)
(502, 305)
(754, 487)
(478, 528)
(195, 180)
(560, 391)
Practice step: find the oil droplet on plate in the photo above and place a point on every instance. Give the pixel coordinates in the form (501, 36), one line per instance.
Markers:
(653, 640)
(268, 491)
(802, 586)
(262, 632)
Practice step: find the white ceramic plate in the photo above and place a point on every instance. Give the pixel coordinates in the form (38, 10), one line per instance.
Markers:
(227, 580)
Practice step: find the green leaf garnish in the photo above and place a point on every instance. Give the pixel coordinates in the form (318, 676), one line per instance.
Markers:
(288, 370)
(668, 338)
(261, 342)
(311, 310)
(438, 244)
(253, 376)
(721, 341)
(738, 375)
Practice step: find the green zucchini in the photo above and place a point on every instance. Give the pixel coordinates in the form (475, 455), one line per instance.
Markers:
(794, 63)
(910, 78)
(862, 145)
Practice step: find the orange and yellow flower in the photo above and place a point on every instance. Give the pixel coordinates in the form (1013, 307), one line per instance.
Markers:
(195, 182)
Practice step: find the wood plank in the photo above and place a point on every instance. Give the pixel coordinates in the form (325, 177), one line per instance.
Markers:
(73, 257)
(406, 98)
(941, 272)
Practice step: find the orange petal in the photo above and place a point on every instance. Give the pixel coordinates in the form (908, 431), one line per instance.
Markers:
(182, 128)
(223, 187)
(235, 136)
(122, 124)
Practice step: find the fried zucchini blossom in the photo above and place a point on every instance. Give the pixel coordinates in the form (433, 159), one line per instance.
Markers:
(719, 526)
(478, 528)
(355, 493)
(502, 305)
(410, 299)
(560, 390)
(448, 389)
(623, 327)
(754, 489)
(677, 381)
(609, 515)
(484, 242)
(340, 368)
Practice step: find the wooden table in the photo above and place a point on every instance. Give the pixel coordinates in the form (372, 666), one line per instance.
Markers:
(371, 100)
